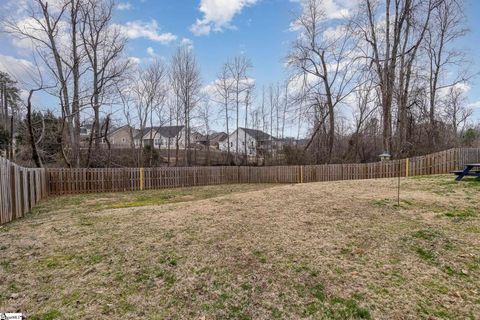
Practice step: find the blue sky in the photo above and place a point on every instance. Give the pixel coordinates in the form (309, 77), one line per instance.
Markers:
(221, 29)
(260, 31)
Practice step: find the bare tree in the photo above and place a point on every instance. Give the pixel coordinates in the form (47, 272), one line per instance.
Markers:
(248, 102)
(9, 99)
(365, 110)
(238, 72)
(274, 96)
(445, 28)
(148, 92)
(186, 85)
(324, 60)
(103, 45)
(125, 94)
(382, 27)
(50, 25)
(222, 91)
(416, 25)
(205, 116)
(456, 111)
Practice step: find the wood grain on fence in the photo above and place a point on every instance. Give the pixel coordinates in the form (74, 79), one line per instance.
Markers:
(72, 181)
(20, 189)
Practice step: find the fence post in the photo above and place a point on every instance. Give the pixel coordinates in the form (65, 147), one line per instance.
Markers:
(142, 178)
(13, 192)
(407, 167)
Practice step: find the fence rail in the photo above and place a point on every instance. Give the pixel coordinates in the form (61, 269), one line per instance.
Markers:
(21, 188)
(72, 181)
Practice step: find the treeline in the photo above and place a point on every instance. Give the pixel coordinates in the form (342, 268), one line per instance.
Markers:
(397, 63)
(383, 77)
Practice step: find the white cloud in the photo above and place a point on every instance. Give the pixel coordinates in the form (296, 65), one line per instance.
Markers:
(134, 60)
(124, 6)
(149, 30)
(187, 42)
(475, 105)
(217, 15)
(18, 69)
(333, 9)
(30, 26)
(338, 9)
(210, 88)
(151, 52)
(461, 87)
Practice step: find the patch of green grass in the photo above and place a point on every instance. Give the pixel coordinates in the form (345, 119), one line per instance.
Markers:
(84, 203)
(119, 276)
(425, 254)
(347, 309)
(260, 255)
(84, 221)
(169, 234)
(381, 202)
(318, 291)
(149, 278)
(6, 265)
(462, 214)
(428, 311)
(472, 229)
(13, 287)
(169, 279)
(55, 261)
(391, 203)
(170, 259)
(246, 286)
(276, 313)
(329, 307)
(50, 315)
(436, 286)
(95, 258)
(70, 299)
(426, 234)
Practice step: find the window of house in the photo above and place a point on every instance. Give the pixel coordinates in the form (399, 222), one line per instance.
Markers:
(123, 139)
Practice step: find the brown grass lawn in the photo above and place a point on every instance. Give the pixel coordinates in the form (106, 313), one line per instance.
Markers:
(337, 250)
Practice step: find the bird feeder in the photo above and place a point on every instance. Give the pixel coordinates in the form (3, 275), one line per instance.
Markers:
(385, 157)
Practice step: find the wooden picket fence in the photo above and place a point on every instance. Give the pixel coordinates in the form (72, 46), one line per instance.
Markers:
(73, 181)
(21, 188)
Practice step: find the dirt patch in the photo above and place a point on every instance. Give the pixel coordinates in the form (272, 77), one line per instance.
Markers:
(334, 250)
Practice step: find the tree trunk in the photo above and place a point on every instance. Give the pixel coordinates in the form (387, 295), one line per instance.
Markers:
(35, 156)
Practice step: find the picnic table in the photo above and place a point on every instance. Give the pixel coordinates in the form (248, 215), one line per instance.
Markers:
(468, 171)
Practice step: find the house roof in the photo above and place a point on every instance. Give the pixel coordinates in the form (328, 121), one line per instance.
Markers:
(115, 130)
(258, 134)
(166, 131)
(214, 137)
(218, 136)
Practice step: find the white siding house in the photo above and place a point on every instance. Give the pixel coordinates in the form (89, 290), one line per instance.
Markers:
(162, 137)
(258, 142)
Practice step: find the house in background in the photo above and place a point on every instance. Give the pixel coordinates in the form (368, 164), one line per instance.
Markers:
(161, 137)
(122, 137)
(212, 140)
(85, 131)
(258, 142)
